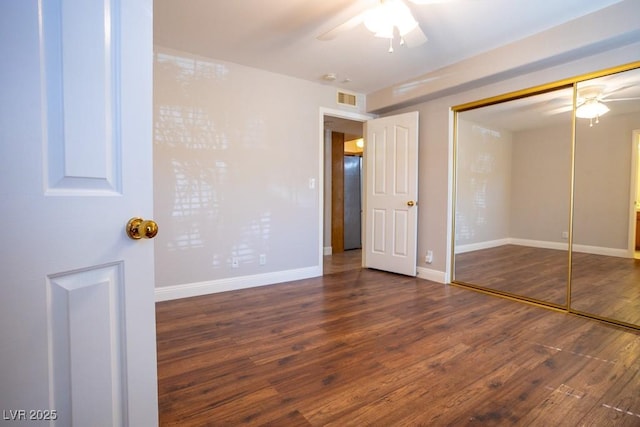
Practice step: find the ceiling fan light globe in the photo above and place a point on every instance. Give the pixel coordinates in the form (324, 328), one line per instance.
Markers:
(591, 109)
(375, 19)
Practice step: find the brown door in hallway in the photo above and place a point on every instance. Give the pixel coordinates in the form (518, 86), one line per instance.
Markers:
(337, 192)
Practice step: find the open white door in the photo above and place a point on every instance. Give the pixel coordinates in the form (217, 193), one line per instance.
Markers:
(77, 319)
(391, 193)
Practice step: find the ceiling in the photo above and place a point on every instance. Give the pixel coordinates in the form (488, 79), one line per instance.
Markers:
(281, 35)
(620, 92)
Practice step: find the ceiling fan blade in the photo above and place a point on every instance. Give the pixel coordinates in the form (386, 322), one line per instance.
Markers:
(415, 37)
(346, 26)
(422, 2)
(605, 100)
(559, 110)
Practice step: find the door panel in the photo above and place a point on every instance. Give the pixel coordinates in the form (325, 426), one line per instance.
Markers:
(378, 235)
(82, 154)
(400, 232)
(86, 317)
(391, 169)
(77, 313)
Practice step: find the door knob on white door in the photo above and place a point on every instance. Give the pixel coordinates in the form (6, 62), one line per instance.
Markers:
(138, 228)
(411, 203)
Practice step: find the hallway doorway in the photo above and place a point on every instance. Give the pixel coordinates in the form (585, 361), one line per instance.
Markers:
(343, 148)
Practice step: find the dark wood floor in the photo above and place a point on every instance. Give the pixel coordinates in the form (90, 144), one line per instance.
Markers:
(537, 273)
(604, 286)
(363, 347)
(607, 286)
(343, 261)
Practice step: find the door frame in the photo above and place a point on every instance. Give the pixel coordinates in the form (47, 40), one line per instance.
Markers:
(342, 114)
(633, 188)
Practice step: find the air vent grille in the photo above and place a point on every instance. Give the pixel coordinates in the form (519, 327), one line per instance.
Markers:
(345, 98)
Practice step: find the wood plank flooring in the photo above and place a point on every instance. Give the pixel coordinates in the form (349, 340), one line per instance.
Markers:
(520, 270)
(604, 286)
(607, 286)
(343, 261)
(368, 348)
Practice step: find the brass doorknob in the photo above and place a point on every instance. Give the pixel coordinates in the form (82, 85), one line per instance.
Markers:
(411, 203)
(138, 228)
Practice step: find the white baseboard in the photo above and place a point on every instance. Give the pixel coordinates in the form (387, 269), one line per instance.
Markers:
(167, 293)
(563, 246)
(433, 275)
(460, 249)
(597, 250)
(327, 250)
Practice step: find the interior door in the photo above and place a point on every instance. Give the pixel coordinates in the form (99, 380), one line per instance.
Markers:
(77, 320)
(391, 192)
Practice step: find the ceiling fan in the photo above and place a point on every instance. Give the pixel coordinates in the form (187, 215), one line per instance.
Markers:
(384, 20)
(592, 102)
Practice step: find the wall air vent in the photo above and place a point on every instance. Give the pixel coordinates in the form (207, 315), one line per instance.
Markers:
(348, 99)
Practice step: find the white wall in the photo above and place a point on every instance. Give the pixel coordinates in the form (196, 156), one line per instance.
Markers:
(235, 149)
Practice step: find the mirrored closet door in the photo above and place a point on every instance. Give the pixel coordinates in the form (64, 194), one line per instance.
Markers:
(513, 187)
(605, 272)
(547, 195)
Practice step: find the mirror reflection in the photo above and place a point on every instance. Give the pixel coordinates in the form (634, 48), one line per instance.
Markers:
(513, 181)
(605, 270)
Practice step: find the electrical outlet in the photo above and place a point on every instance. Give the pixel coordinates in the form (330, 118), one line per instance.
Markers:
(565, 234)
(263, 259)
(428, 257)
(235, 263)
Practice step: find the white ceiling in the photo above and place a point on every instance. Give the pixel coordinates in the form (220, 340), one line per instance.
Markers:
(280, 35)
(620, 92)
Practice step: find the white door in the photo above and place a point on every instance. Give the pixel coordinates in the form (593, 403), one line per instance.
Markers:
(391, 193)
(77, 320)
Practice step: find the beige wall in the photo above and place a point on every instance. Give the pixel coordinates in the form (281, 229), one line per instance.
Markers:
(529, 176)
(235, 187)
(483, 184)
(541, 188)
(236, 176)
(603, 181)
(436, 144)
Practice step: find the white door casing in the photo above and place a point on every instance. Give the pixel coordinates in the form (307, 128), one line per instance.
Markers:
(77, 320)
(633, 193)
(391, 193)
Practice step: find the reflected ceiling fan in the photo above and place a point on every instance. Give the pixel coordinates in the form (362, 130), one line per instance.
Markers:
(592, 102)
(384, 20)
